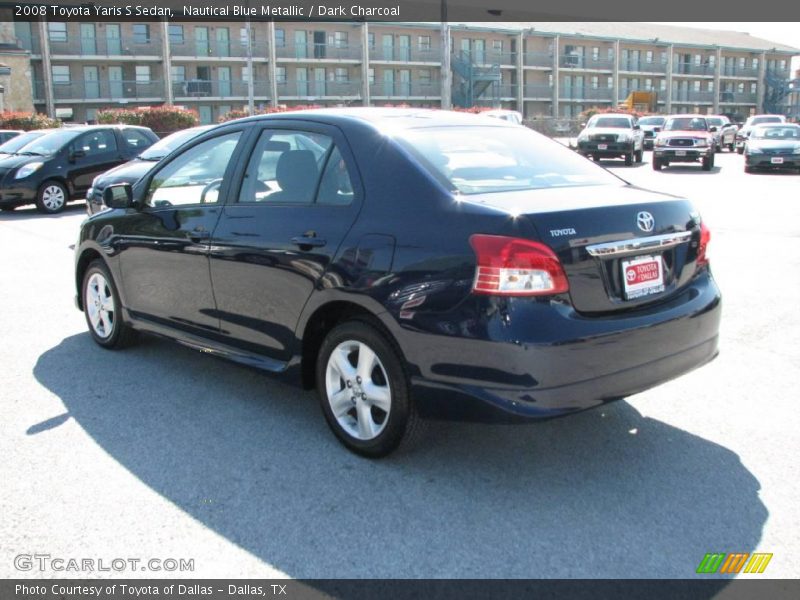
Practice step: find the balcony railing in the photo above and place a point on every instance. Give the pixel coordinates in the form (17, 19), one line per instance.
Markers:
(102, 46)
(202, 88)
(404, 54)
(405, 89)
(538, 91)
(200, 48)
(538, 59)
(737, 71)
(103, 90)
(737, 97)
(692, 96)
(576, 61)
(642, 66)
(335, 51)
(585, 93)
(702, 70)
(320, 89)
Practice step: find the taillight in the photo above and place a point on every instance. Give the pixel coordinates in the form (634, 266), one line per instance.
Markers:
(516, 267)
(702, 247)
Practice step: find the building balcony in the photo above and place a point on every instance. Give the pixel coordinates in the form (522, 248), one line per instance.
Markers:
(312, 90)
(405, 89)
(411, 54)
(726, 97)
(575, 61)
(737, 71)
(103, 91)
(584, 94)
(538, 59)
(313, 52)
(702, 70)
(642, 66)
(537, 91)
(91, 47)
(194, 89)
(691, 96)
(216, 49)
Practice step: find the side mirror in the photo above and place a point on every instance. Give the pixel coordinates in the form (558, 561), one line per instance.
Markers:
(712, 129)
(77, 153)
(118, 195)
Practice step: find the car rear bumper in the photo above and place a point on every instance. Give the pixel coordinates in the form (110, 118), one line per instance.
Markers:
(554, 361)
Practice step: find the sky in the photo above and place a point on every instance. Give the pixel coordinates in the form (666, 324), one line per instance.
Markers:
(784, 33)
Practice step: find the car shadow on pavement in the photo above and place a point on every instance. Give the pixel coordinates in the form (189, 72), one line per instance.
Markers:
(606, 493)
(31, 212)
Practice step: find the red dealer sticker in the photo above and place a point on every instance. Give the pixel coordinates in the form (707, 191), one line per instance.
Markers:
(642, 276)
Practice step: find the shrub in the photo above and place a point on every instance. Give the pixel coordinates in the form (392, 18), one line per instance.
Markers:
(239, 114)
(161, 119)
(27, 121)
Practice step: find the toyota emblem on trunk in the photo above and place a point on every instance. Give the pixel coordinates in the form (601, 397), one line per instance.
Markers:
(645, 221)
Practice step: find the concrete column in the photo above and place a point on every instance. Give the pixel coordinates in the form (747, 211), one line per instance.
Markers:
(670, 61)
(44, 43)
(615, 75)
(521, 73)
(717, 75)
(446, 76)
(556, 78)
(762, 73)
(166, 61)
(271, 70)
(365, 64)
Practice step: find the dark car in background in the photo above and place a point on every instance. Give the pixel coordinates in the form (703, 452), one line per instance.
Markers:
(685, 138)
(133, 170)
(405, 263)
(59, 166)
(612, 136)
(754, 121)
(17, 143)
(650, 127)
(8, 134)
(774, 147)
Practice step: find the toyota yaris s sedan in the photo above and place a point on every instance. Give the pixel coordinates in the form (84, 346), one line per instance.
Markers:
(406, 264)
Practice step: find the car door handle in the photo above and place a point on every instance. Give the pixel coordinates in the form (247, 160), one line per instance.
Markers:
(198, 235)
(310, 241)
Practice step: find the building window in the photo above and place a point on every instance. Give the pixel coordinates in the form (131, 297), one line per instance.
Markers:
(595, 53)
(178, 73)
(648, 56)
(280, 74)
(280, 37)
(594, 82)
(696, 86)
(142, 73)
(610, 55)
(740, 87)
(245, 74)
(141, 33)
(57, 32)
(371, 75)
(648, 84)
(424, 43)
(610, 83)
(342, 75)
(340, 39)
(755, 64)
(176, 34)
(712, 61)
(742, 62)
(662, 85)
(60, 74)
(425, 76)
(91, 115)
(371, 40)
(782, 65)
(497, 46)
(753, 88)
(710, 86)
(698, 59)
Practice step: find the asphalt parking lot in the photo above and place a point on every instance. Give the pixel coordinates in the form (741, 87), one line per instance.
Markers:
(161, 452)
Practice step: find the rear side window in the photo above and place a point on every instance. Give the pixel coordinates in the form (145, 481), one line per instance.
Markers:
(136, 139)
(97, 142)
(195, 176)
(296, 167)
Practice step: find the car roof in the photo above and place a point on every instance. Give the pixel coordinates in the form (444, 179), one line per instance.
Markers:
(689, 116)
(776, 125)
(384, 117)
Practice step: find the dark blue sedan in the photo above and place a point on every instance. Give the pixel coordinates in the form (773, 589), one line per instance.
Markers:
(406, 264)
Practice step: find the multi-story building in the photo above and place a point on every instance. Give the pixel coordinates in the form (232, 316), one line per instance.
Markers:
(555, 69)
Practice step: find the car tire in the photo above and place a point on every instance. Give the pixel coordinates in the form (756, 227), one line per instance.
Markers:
(52, 197)
(657, 164)
(102, 308)
(639, 156)
(708, 163)
(629, 159)
(748, 169)
(595, 158)
(740, 150)
(364, 390)
(732, 147)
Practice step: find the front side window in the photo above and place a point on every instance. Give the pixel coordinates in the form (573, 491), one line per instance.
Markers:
(482, 159)
(195, 176)
(285, 168)
(96, 143)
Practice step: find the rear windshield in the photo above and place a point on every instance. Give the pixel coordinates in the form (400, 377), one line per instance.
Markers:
(758, 120)
(686, 124)
(21, 140)
(611, 122)
(477, 160)
(776, 133)
(652, 121)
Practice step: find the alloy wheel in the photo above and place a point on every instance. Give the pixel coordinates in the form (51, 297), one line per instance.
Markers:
(100, 305)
